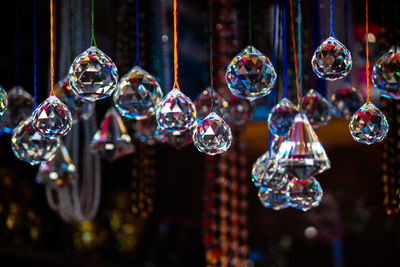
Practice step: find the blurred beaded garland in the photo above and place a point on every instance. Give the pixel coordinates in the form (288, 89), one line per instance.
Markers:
(316, 108)
(305, 194)
(281, 117)
(345, 102)
(3, 101)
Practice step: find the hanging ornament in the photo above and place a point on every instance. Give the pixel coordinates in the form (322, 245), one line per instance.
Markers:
(30, 146)
(3, 101)
(207, 99)
(266, 173)
(345, 102)
(276, 142)
(317, 108)
(386, 75)
(178, 139)
(277, 199)
(239, 111)
(147, 131)
(305, 194)
(281, 117)
(301, 154)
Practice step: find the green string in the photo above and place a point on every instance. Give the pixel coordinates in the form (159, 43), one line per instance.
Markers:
(93, 40)
(250, 20)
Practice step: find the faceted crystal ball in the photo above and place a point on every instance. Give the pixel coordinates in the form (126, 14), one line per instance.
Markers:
(30, 146)
(137, 94)
(331, 60)
(3, 101)
(305, 194)
(386, 74)
(93, 75)
(281, 117)
(175, 112)
(203, 103)
(146, 131)
(317, 108)
(80, 108)
(52, 118)
(213, 135)
(276, 142)
(369, 125)
(239, 111)
(345, 102)
(277, 199)
(250, 75)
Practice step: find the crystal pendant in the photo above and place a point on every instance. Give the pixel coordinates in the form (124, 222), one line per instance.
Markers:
(178, 139)
(93, 75)
(147, 131)
(238, 112)
(3, 101)
(345, 102)
(213, 135)
(52, 118)
(176, 112)
(305, 194)
(30, 146)
(58, 171)
(281, 117)
(79, 107)
(112, 139)
(137, 94)
(203, 103)
(317, 108)
(386, 74)
(369, 125)
(20, 104)
(276, 142)
(265, 173)
(302, 155)
(250, 75)
(277, 199)
(331, 60)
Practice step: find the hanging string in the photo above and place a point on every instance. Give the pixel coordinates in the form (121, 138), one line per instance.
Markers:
(367, 48)
(274, 45)
(51, 49)
(284, 50)
(17, 42)
(175, 85)
(250, 26)
(299, 47)
(346, 28)
(137, 35)
(210, 25)
(34, 54)
(331, 19)
(92, 40)
(295, 53)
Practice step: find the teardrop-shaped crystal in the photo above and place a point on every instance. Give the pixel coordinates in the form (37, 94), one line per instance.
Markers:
(28, 145)
(386, 74)
(203, 103)
(345, 102)
(305, 194)
(58, 171)
(3, 101)
(52, 118)
(239, 111)
(281, 117)
(368, 125)
(265, 173)
(178, 139)
(317, 108)
(147, 131)
(250, 74)
(276, 142)
(20, 104)
(213, 135)
(176, 112)
(301, 154)
(276, 199)
(112, 139)
(137, 94)
(331, 60)
(80, 108)
(93, 75)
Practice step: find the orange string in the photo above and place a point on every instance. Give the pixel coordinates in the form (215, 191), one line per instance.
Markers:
(51, 50)
(367, 48)
(175, 85)
(295, 53)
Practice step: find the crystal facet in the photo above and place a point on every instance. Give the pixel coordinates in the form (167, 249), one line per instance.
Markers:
(369, 125)
(250, 75)
(93, 75)
(331, 60)
(137, 94)
(305, 194)
(345, 102)
(3, 101)
(276, 199)
(52, 118)
(30, 146)
(238, 112)
(147, 131)
(317, 108)
(203, 104)
(281, 117)
(302, 155)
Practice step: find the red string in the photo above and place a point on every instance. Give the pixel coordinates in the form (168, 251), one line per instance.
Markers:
(295, 53)
(367, 48)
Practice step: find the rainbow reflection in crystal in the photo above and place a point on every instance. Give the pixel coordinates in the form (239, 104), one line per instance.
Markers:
(265, 173)
(345, 102)
(276, 199)
(317, 108)
(305, 194)
(281, 117)
(203, 103)
(3, 101)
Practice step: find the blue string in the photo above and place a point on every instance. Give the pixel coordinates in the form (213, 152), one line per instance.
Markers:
(284, 51)
(299, 49)
(34, 54)
(272, 94)
(331, 19)
(137, 36)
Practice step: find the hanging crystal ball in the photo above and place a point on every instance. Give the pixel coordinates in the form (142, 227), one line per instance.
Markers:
(250, 74)
(369, 125)
(345, 102)
(386, 74)
(331, 60)
(239, 111)
(281, 117)
(175, 112)
(52, 118)
(207, 99)
(213, 135)
(28, 145)
(137, 94)
(3, 101)
(277, 199)
(93, 75)
(305, 194)
(316, 108)
(147, 131)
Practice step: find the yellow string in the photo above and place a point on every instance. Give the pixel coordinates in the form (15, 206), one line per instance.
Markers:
(175, 85)
(367, 49)
(51, 50)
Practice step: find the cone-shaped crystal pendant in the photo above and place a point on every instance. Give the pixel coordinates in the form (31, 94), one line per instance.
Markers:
(178, 139)
(213, 135)
(331, 60)
(58, 171)
(345, 102)
(238, 112)
(112, 139)
(93, 75)
(203, 103)
(276, 199)
(265, 173)
(305, 194)
(137, 94)
(281, 117)
(175, 112)
(3, 101)
(52, 118)
(30, 146)
(386, 74)
(80, 108)
(317, 108)
(302, 155)
(368, 125)
(147, 131)
(20, 104)
(250, 74)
